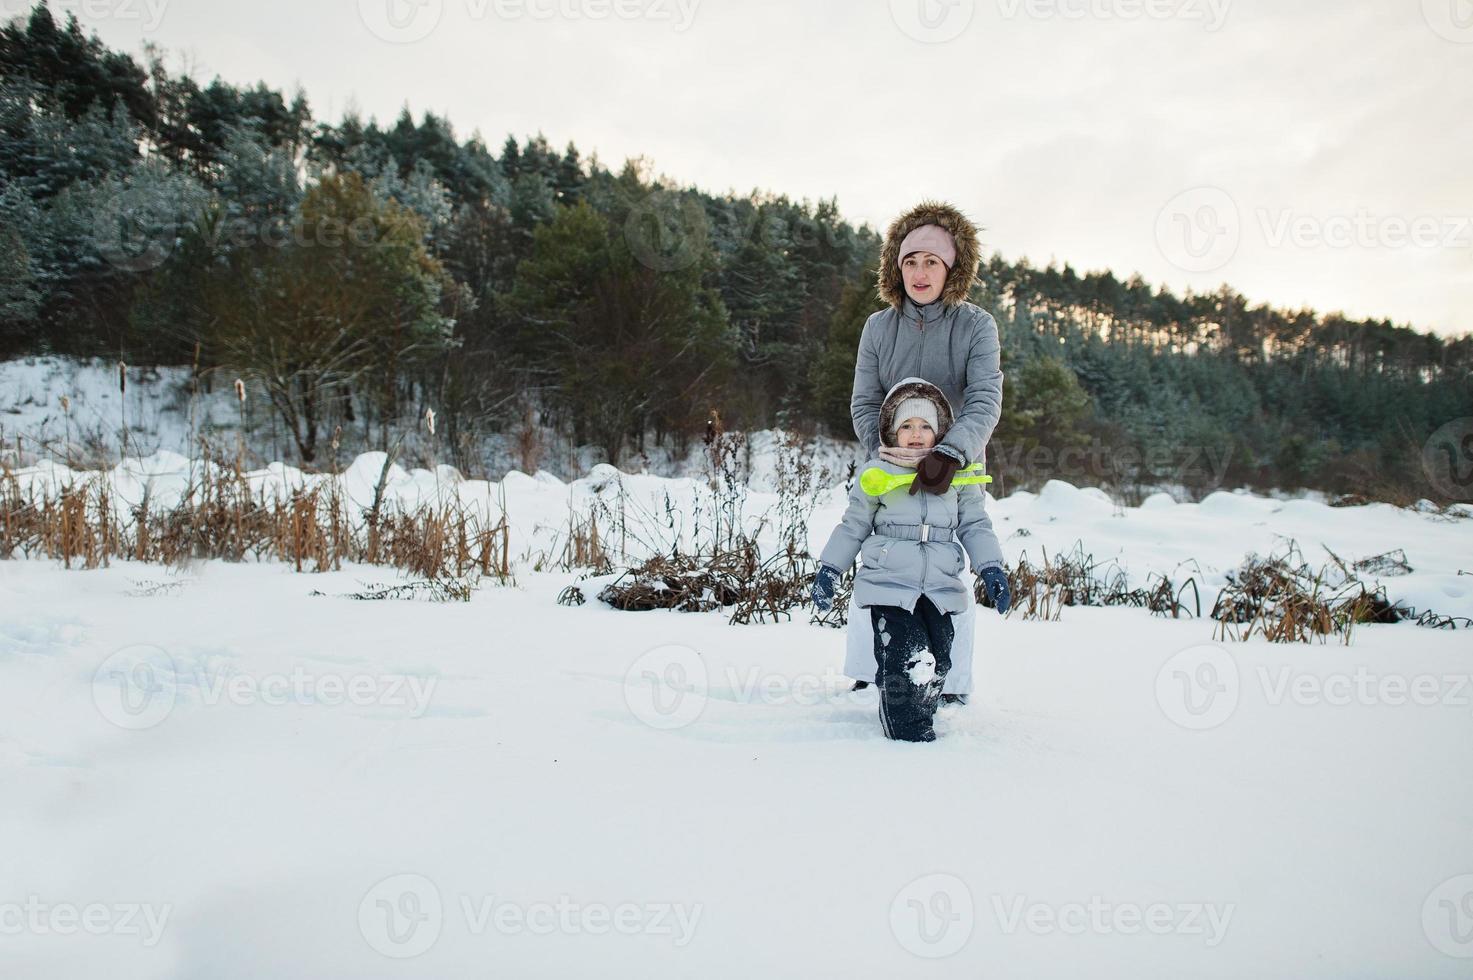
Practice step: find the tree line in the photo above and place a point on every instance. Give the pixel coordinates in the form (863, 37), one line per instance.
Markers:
(357, 274)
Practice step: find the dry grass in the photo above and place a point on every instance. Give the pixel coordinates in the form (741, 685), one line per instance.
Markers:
(312, 529)
(1076, 579)
(1281, 598)
(755, 588)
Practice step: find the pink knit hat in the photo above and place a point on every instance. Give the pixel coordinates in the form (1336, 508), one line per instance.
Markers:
(930, 238)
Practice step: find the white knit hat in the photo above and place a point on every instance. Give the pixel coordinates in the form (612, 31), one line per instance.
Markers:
(915, 408)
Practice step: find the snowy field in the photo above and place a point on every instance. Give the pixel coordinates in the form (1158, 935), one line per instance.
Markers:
(215, 773)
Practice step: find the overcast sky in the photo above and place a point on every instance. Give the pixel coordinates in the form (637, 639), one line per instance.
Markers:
(1313, 152)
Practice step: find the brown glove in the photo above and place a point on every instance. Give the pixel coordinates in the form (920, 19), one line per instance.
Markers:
(934, 473)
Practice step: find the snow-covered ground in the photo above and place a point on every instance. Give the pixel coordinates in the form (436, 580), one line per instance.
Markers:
(239, 779)
(216, 773)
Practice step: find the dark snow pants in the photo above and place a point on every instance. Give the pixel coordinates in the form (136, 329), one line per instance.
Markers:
(912, 657)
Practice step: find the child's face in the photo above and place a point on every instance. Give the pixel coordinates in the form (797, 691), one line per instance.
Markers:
(916, 434)
(924, 274)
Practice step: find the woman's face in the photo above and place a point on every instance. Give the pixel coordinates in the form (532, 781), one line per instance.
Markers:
(916, 434)
(924, 274)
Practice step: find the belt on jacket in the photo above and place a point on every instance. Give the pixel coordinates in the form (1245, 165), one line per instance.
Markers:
(916, 532)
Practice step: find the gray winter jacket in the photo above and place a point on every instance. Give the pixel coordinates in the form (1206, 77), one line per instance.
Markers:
(898, 567)
(955, 348)
(913, 544)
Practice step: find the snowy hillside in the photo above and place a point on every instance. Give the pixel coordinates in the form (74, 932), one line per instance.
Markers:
(162, 410)
(235, 771)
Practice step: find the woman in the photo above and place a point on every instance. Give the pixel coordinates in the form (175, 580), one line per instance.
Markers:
(927, 267)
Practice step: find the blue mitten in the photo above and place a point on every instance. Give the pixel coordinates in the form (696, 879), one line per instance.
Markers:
(993, 580)
(825, 584)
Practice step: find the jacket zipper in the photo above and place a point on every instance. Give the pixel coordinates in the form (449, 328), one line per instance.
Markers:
(925, 563)
(921, 361)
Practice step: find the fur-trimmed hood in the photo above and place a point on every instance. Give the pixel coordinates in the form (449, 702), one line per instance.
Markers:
(913, 388)
(962, 274)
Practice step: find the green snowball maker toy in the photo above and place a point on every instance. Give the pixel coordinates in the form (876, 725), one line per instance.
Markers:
(877, 482)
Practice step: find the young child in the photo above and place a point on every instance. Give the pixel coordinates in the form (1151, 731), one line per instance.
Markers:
(912, 545)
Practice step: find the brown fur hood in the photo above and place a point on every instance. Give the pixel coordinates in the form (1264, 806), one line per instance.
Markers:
(913, 388)
(959, 278)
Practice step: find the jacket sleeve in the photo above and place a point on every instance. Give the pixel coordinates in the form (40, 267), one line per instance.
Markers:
(974, 528)
(982, 400)
(857, 524)
(869, 394)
